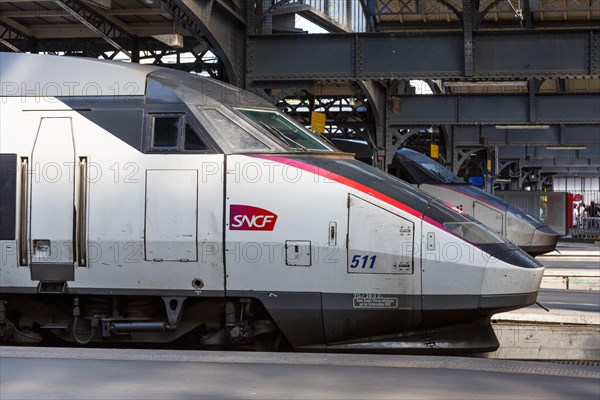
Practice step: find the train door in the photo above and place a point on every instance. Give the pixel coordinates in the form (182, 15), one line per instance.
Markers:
(171, 215)
(381, 276)
(489, 216)
(182, 209)
(52, 195)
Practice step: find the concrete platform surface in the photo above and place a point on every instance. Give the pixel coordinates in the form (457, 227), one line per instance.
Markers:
(54, 373)
(573, 249)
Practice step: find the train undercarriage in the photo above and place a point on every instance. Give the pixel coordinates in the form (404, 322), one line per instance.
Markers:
(209, 323)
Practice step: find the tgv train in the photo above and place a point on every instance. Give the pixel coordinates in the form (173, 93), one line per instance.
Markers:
(141, 204)
(516, 225)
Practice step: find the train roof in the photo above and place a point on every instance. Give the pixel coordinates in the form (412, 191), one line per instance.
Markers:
(413, 155)
(418, 169)
(35, 75)
(103, 89)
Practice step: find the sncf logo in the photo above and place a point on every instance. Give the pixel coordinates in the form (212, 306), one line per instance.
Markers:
(248, 218)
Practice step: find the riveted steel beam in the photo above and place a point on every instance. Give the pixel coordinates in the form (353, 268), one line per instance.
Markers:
(494, 109)
(553, 155)
(592, 171)
(564, 136)
(469, 27)
(215, 26)
(107, 28)
(13, 38)
(432, 55)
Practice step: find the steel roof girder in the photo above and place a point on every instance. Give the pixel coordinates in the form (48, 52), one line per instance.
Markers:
(215, 28)
(490, 109)
(431, 55)
(97, 22)
(516, 140)
(588, 152)
(594, 55)
(9, 33)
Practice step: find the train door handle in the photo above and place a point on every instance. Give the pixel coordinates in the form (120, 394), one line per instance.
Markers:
(332, 240)
(24, 208)
(82, 213)
(430, 241)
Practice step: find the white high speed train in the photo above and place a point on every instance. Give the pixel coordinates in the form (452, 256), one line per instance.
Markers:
(521, 228)
(141, 204)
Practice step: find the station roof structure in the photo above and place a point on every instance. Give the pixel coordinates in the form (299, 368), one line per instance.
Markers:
(494, 66)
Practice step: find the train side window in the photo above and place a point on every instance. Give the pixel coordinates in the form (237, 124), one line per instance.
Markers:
(166, 131)
(192, 140)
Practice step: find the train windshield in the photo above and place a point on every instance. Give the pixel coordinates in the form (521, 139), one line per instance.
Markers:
(417, 168)
(440, 172)
(473, 232)
(524, 216)
(462, 225)
(285, 130)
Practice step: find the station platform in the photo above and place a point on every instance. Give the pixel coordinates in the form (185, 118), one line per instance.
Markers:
(570, 327)
(568, 334)
(573, 265)
(53, 373)
(574, 248)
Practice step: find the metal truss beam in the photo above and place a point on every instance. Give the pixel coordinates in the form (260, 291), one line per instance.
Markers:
(493, 109)
(555, 135)
(540, 156)
(107, 28)
(574, 171)
(13, 38)
(61, 13)
(436, 55)
(345, 115)
(99, 45)
(211, 66)
(149, 49)
(216, 27)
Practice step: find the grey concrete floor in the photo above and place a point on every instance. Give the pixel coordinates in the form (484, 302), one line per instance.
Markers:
(146, 374)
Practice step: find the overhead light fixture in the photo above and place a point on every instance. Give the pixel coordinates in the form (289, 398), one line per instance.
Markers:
(566, 147)
(173, 40)
(486, 83)
(522, 126)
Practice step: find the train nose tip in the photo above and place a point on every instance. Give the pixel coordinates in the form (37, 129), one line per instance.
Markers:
(544, 241)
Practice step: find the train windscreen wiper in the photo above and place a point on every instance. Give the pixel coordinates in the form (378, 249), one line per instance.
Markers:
(281, 136)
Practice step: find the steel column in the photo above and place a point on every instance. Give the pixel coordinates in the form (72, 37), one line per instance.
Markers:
(468, 20)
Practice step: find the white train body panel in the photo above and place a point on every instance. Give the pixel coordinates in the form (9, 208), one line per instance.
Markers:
(117, 177)
(259, 257)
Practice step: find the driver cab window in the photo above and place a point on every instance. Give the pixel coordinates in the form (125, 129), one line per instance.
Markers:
(166, 131)
(192, 140)
(171, 132)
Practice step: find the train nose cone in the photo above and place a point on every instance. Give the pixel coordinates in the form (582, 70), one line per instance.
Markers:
(516, 258)
(511, 281)
(544, 241)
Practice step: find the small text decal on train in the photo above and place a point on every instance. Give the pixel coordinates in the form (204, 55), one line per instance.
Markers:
(249, 218)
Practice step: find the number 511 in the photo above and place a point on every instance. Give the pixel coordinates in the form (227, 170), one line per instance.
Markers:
(356, 261)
